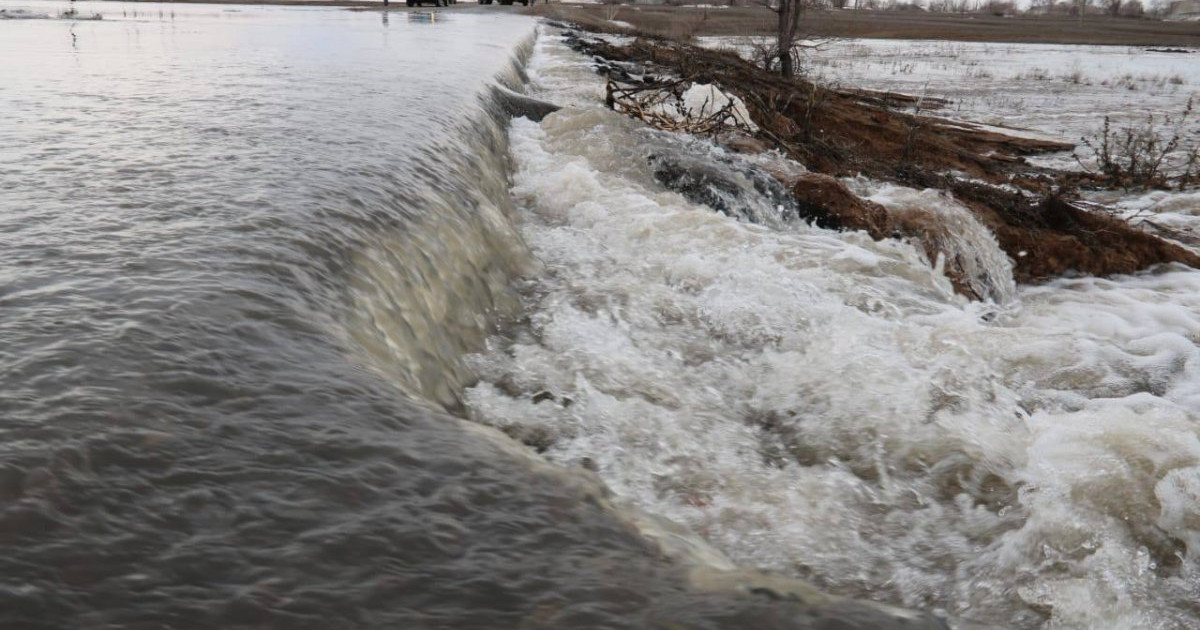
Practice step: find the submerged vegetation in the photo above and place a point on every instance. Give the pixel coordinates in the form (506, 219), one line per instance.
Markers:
(1150, 153)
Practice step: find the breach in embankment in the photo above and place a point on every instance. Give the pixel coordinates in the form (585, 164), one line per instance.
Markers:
(822, 404)
(1032, 212)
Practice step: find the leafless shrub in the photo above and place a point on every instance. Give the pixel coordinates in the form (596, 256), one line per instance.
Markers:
(1076, 76)
(1133, 8)
(1191, 168)
(1035, 74)
(998, 8)
(1136, 155)
(814, 98)
(764, 53)
(913, 124)
(73, 14)
(661, 105)
(787, 32)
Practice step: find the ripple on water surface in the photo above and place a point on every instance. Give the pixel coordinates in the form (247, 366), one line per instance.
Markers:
(190, 437)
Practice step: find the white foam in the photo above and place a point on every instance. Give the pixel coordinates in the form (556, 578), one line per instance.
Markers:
(823, 405)
(966, 241)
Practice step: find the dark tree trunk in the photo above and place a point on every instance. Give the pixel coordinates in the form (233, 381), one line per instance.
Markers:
(789, 12)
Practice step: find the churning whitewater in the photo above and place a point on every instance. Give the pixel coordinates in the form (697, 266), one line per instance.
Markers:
(823, 405)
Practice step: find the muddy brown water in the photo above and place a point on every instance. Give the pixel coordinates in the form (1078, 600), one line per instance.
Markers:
(243, 251)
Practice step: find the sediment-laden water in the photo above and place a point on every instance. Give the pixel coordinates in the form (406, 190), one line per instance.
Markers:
(825, 406)
(259, 264)
(245, 251)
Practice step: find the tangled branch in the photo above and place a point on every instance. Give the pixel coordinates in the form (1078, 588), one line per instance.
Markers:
(661, 105)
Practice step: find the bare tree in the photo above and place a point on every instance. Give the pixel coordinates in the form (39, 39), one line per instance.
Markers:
(788, 13)
(963, 6)
(1081, 9)
(1133, 8)
(1044, 7)
(997, 7)
(1113, 7)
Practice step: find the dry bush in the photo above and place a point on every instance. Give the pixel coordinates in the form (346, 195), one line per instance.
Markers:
(1136, 155)
(661, 104)
(814, 98)
(1191, 168)
(1035, 74)
(913, 124)
(1076, 76)
(764, 53)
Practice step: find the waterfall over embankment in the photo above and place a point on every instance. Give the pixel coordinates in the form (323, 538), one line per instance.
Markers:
(825, 405)
(246, 251)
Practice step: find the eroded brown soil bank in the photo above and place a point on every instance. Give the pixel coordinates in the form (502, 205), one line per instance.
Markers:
(838, 133)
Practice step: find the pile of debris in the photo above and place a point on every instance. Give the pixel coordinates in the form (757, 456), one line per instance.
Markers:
(697, 108)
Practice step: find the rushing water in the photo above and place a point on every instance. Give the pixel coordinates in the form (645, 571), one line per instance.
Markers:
(258, 263)
(824, 405)
(211, 416)
(244, 253)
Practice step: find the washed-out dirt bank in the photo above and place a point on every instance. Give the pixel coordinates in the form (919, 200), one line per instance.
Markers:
(843, 133)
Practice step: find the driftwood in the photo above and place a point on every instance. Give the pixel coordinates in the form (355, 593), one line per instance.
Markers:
(653, 103)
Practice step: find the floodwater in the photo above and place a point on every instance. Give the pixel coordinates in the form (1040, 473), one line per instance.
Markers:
(272, 279)
(825, 406)
(243, 251)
